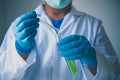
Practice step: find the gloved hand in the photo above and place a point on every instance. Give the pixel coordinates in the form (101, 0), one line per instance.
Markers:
(76, 47)
(24, 28)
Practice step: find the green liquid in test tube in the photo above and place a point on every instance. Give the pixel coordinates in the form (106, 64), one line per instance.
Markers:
(72, 66)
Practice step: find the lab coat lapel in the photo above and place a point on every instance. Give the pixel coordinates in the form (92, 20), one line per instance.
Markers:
(42, 15)
(69, 18)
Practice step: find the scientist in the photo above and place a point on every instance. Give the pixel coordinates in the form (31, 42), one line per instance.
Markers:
(40, 44)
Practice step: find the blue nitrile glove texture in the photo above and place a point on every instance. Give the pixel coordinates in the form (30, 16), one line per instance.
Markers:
(24, 28)
(76, 47)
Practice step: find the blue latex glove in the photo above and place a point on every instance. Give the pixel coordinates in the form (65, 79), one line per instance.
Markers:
(24, 28)
(76, 47)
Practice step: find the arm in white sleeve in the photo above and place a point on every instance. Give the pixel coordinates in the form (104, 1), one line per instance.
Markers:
(108, 65)
(12, 65)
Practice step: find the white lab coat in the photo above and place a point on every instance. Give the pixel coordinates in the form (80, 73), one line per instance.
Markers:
(45, 63)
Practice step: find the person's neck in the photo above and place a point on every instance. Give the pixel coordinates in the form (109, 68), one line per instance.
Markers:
(56, 14)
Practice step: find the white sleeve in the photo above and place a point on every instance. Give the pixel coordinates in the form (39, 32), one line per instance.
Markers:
(108, 65)
(12, 65)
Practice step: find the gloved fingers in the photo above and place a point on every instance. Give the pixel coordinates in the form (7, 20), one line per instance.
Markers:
(75, 51)
(91, 59)
(69, 45)
(79, 55)
(70, 52)
(73, 57)
(27, 45)
(28, 42)
(68, 39)
(73, 44)
(31, 28)
(23, 17)
(26, 23)
(26, 32)
(84, 39)
(30, 37)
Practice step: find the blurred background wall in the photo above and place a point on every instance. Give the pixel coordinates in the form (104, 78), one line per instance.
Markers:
(2, 19)
(106, 10)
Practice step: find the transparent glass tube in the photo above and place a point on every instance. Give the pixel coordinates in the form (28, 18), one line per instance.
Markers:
(72, 66)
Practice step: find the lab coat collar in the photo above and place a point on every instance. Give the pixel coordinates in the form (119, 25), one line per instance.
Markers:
(68, 19)
(42, 14)
(40, 9)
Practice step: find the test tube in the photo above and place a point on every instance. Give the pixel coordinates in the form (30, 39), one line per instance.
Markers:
(72, 66)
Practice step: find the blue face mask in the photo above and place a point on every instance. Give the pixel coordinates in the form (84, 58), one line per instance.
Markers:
(58, 4)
